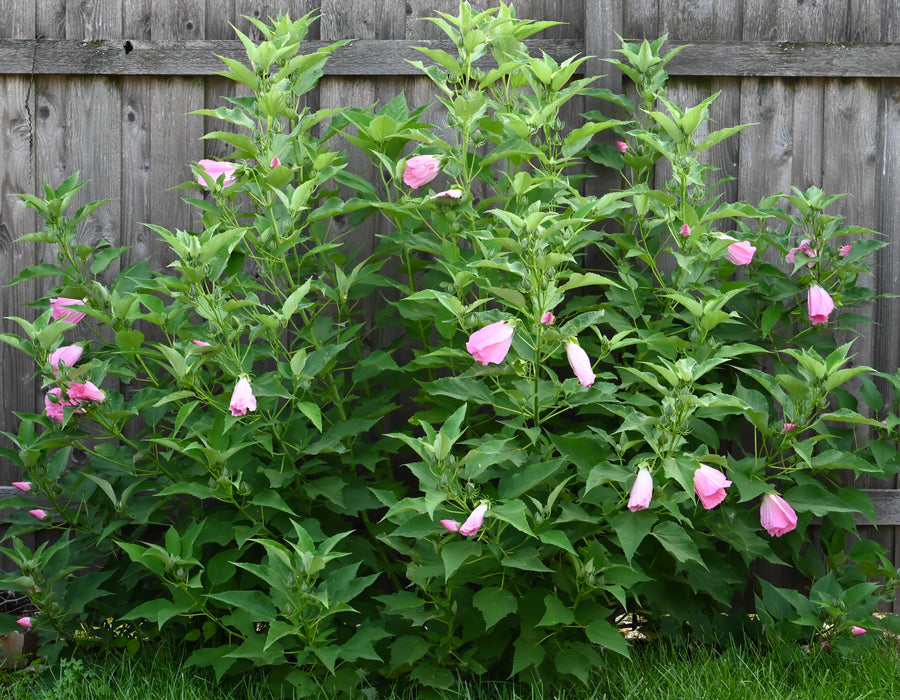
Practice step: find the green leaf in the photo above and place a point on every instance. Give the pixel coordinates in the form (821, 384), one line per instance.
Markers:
(555, 612)
(528, 652)
(677, 542)
(494, 604)
(455, 552)
(35, 271)
(256, 603)
(271, 499)
(632, 528)
(607, 635)
(513, 512)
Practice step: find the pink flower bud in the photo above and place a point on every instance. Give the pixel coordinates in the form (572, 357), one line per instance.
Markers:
(474, 521)
(710, 485)
(85, 392)
(641, 491)
(685, 230)
(858, 631)
(25, 622)
(38, 513)
(845, 250)
(776, 515)
(454, 193)
(242, 398)
(275, 162)
(420, 170)
(201, 343)
(67, 355)
(22, 485)
(622, 146)
(819, 303)
(212, 170)
(788, 427)
(548, 318)
(450, 525)
(580, 363)
(739, 252)
(491, 343)
(61, 309)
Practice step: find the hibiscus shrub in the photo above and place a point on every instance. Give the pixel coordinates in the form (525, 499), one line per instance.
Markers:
(569, 413)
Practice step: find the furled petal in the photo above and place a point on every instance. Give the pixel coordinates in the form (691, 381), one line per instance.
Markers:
(580, 363)
(740, 253)
(38, 513)
(86, 392)
(548, 318)
(641, 491)
(710, 485)
(61, 309)
(474, 521)
(776, 515)
(819, 303)
(242, 399)
(25, 622)
(420, 170)
(858, 631)
(22, 485)
(213, 169)
(450, 525)
(454, 193)
(491, 343)
(845, 250)
(67, 355)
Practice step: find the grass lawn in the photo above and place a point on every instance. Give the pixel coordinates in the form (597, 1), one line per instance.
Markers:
(655, 672)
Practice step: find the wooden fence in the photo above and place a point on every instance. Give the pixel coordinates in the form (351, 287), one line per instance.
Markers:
(104, 88)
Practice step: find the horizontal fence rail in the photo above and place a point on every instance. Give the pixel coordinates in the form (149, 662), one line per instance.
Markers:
(374, 57)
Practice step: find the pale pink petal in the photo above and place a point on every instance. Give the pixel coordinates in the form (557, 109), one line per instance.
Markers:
(641, 491)
(491, 343)
(420, 170)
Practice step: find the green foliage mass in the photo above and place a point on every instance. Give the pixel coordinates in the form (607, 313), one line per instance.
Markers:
(314, 528)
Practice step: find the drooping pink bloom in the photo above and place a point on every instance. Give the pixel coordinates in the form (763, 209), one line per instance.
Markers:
(38, 513)
(685, 230)
(451, 525)
(213, 170)
(804, 248)
(420, 170)
(242, 398)
(60, 308)
(858, 631)
(491, 343)
(22, 485)
(67, 354)
(25, 622)
(201, 343)
(739, 252)
(454, 193)
(548, 318)
(819, 303)
(776, 515)
(788, 427)
(641, 491)
(710, 485)
(622, 146)
(85, 392)
(580, 363)
(53, 404)
(474, 521)
(845, 250)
